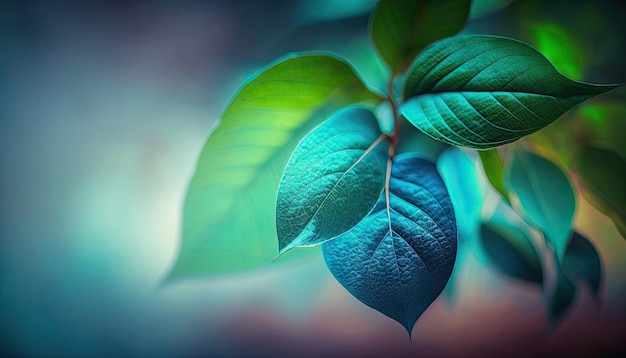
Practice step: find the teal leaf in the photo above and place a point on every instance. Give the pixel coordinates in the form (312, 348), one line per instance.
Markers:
(228, 218)
(486, 91)
(333, 179)
(510, 248)
(467, 193)
(543, 195)
(401, 29)
(603, 174)
(399, 258)
(493, 167)
(562, 296)
(583, 261)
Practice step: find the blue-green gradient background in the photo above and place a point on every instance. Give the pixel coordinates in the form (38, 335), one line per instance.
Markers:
(104, 107)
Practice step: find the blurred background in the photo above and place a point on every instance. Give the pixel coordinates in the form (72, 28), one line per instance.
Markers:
(104, 108)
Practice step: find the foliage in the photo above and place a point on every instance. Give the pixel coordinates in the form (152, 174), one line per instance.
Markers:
(303, 157)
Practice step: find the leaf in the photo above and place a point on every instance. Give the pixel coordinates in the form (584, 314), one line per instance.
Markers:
(558, 47)
(602, 124)
(228, 220)
(603, 174)
(332, 181)
(541, 192)
(399, 258)
(509, 248)
(486, 91)
(562, 296)
(467, 193)
(492, 165)
(400, 29)
(582, 260)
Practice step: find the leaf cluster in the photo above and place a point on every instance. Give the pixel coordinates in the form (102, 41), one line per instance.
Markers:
(308, 154)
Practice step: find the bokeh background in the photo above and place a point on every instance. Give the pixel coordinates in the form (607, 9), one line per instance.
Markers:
(104, 108)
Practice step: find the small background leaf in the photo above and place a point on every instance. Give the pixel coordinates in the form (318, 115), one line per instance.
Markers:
(401, 29)
(541, 192)
(467, 193)
(398, 260)
(510, 248)
(492, 165)
(228, 219)
(603, 175)
(333, 179)
(582, 260)
(486, 91)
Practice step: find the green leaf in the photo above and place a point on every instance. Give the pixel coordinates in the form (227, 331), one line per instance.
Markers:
(492, 165)
(400, 29)
(582, 260)
(558, 47)
(603, 174)
(562, 296)
(485, 91)
(543, 195)
(399, 258)
(510, 248)
(228, 219)
(602, 124)
(333, 179)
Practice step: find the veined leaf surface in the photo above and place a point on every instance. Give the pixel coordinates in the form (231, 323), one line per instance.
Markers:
(400, 29)
(228, 219)
(400, 257)
(541, 192)
(333, 179)
(486, 91)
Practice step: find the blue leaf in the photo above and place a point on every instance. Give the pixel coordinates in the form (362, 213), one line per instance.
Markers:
(400, 257)
(332, 181)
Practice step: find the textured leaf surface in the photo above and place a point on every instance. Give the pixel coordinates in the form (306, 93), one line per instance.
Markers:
(541, 192)
(332, 181)
(510, 248)
(603, 174)
(228, 220)
(493, 167)
(485, 91)
(399, 258)
(400, 29)
(582, 260)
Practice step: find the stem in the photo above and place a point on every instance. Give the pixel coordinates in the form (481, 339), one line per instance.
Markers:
(395, 135)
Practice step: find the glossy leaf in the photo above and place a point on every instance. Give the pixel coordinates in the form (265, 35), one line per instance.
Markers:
(582, 260)
(399, 258)
(509, 248)
(228, 220)
(562, 296)
(485, 91)
(492, 165)
(603, 175)
(333, 179)
(541, 192)
(400, 29)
